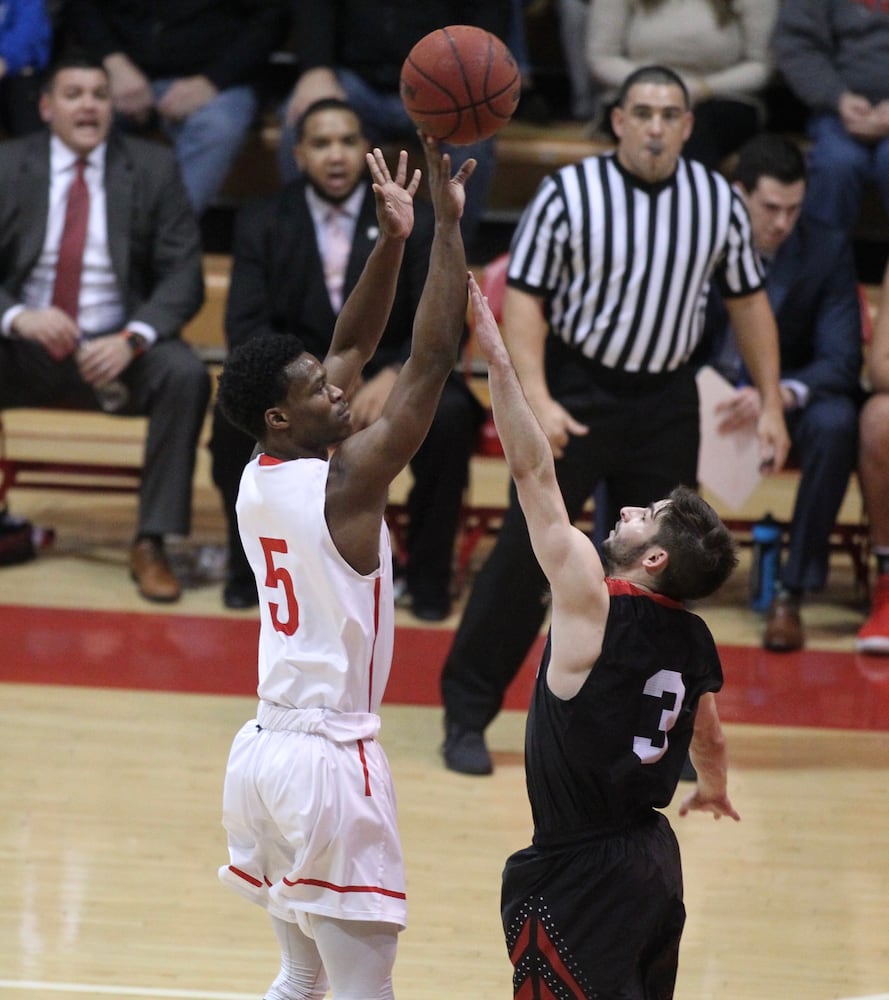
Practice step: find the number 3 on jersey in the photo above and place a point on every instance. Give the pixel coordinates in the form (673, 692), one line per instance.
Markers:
(661, 684)
(276, 576)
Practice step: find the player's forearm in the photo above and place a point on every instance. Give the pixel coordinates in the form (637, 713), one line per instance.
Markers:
(757, 337)
(525, 445)
(441, 314)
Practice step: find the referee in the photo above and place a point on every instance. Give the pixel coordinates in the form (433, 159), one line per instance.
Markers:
(610, 268)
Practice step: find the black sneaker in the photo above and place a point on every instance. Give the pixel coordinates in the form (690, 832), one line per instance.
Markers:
(465, 751)
(240, 593)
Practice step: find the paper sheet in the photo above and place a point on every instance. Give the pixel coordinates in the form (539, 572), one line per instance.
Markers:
(728, 464)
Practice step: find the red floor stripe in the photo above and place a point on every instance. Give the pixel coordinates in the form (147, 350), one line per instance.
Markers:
(208, 655)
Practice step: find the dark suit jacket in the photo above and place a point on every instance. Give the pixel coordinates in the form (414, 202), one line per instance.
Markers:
(813, 290)
(277, 280)
(153, 237)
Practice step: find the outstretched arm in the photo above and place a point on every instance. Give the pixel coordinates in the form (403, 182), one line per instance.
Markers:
(708, 754)
(364, 315)
(566, 555)
(366, 463)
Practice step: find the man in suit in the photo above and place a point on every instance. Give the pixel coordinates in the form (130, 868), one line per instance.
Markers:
(107, 313)
(290, 274)
(812, 287)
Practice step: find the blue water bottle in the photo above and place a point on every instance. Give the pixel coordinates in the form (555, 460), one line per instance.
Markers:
(766, 563)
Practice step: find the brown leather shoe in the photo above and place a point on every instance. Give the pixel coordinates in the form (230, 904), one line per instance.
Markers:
(784, 625)
(152, 573)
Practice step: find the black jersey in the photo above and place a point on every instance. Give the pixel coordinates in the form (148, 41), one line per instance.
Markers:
(601, 760)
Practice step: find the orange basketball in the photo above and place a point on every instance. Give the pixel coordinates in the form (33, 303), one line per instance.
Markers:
(460, 84)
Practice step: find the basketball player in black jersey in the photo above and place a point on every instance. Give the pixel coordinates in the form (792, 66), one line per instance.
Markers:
(593, 908)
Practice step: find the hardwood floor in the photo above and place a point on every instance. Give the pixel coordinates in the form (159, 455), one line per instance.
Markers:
(118, 718)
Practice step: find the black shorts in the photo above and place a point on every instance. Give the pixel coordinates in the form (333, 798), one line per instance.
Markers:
(601, 919)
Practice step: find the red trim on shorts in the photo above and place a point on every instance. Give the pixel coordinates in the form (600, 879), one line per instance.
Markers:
(345, 888)
(247, 878)
(363, 757)
(533, 939)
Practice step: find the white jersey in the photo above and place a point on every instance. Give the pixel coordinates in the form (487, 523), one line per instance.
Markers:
(308, 804)
(326, 632)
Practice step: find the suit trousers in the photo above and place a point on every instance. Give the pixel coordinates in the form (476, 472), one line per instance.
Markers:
(824, 441)
(169, 384)
(642, 441)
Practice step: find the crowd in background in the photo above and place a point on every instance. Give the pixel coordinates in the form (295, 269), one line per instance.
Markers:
(198, 75)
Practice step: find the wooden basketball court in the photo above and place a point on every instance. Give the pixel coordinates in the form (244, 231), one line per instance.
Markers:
(117, 718)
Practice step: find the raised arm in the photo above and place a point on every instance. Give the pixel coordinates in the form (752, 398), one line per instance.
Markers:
(364, 315)
(366, 463)
(566, 555)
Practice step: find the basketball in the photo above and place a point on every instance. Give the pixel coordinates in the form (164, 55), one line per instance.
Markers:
(460, 84)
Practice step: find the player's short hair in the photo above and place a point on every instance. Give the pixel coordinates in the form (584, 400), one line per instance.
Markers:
(316, 107)
(254, 379)
(769, 155)
(652, 74)
(702, 551)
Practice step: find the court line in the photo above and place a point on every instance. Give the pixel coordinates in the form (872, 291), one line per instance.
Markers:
(873, 996)
(121, 991)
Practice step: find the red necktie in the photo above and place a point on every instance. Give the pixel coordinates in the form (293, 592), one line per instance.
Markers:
(66, 290)
(337, 247)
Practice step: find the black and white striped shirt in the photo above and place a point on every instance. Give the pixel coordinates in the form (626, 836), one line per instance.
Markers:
(624, 267)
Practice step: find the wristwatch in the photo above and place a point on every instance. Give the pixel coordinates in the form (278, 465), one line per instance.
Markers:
(137, 343)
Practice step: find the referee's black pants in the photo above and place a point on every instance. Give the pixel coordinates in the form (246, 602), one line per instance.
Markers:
(642, 441)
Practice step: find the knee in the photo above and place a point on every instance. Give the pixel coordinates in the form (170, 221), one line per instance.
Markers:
(223, 120)
(874, 428)
(831, 426)
(839, 157)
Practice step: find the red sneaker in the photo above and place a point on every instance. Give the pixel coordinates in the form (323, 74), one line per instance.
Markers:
(873, 636)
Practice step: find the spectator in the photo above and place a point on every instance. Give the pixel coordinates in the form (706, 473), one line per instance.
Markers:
(100, 267)
(25, 44)
(308, 803)
(609, 726)
(834, 54)
(189, 65)
(573, 20)
(610, 267)
(873, 472)
(354, 50)
(812, 288)
(718, 47)
(282, 256)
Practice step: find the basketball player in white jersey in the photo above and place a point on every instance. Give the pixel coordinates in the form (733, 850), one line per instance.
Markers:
(308, 804)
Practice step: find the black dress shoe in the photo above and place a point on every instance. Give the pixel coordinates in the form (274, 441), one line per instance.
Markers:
(430, 610)
(239, 594)
(465, 751)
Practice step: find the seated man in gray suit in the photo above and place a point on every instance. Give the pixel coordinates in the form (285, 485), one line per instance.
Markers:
(100, 267)
(297, 256)
(812, 288)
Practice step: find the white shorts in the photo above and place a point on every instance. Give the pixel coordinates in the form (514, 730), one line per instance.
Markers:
(311, 826)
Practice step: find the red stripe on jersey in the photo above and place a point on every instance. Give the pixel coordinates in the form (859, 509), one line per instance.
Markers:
(361, 754)
(345, 888)
(373, 651)
(620, 587)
